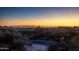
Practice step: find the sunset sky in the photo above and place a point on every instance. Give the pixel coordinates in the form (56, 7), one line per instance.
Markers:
(39, 16)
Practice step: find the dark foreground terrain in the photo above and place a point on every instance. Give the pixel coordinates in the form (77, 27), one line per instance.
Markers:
(39, 39)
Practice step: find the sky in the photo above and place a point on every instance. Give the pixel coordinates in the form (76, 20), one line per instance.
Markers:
(39, 16)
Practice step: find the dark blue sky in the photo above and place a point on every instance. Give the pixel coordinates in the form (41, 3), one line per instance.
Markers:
(31, 12)
(20, 13)
(42, 16)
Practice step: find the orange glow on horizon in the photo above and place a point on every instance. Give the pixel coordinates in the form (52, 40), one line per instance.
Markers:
(42, 23)
(65, 20)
